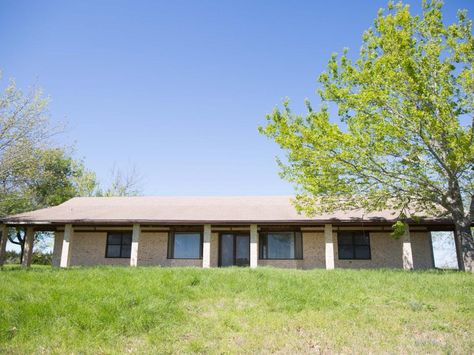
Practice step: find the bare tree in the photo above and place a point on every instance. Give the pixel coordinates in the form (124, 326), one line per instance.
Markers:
(123, 183)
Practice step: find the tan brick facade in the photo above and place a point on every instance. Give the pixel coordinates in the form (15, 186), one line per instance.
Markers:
(88, 248)
(313, 254)
(385, 252)
(422, 250)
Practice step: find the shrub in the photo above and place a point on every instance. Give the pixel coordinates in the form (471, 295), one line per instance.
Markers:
(38, 258)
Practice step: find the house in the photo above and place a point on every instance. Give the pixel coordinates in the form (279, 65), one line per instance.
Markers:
(223, 231)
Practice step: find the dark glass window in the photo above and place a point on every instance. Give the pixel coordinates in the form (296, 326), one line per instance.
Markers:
(185, 245)
(119, 245)
(353, 245)
(281, 245)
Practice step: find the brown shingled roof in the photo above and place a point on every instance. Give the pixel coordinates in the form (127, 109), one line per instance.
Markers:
(224, 210)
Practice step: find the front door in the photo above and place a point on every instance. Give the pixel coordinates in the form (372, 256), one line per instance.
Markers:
(234, 249)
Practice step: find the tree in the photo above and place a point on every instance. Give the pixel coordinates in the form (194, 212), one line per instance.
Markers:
(24, 127)
(56, 177)
(33, 173)
(405, 140)
(123, 183)
(53, 178)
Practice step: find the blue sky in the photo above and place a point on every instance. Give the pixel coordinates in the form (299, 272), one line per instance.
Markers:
(178, 88)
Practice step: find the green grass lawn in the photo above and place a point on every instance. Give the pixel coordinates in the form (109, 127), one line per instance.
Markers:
(182, 310)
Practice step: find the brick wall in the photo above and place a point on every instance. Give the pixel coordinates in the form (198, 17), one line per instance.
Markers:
(88, 248)
(422, 250)
(386, 252)
(313, 254)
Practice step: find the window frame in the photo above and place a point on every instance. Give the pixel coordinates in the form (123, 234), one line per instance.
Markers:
(263, 240)
(219, 246)
(353, 244)
(171, 244)
(122, 233)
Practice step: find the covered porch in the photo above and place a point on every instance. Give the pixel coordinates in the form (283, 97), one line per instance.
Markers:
(213, 245)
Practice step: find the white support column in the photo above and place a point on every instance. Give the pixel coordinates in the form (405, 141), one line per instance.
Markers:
(206, 247)
(253, 245)
(3, 243)
(329, 242)
(28, 251)
(67, 243)
(407, 252)
(135, 240)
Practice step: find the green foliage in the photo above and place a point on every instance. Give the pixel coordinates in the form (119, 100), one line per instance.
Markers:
(12, 257)
(399, 229)
(406, 137)
(33, 173)
(51, 178)
(185, 310)
(38, 258)
(84, 181)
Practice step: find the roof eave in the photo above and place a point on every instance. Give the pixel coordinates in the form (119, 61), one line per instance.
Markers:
(25, 221)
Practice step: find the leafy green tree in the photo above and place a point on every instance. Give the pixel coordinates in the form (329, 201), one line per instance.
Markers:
(405, 140)
(57, 177)
(53, 178)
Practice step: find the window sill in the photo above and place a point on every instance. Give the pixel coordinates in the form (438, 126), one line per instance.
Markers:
(184, 258)
(354, 259)
(282, 259)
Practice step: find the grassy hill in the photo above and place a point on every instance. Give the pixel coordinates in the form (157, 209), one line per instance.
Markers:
(116, 310)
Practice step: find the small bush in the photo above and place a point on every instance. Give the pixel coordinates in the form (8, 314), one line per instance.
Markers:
(12, 257)
(42, 258)
(38, 258)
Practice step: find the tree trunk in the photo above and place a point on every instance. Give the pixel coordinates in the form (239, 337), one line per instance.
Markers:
(462, 228)
(19, 241)
(464, 244)
(22, 251)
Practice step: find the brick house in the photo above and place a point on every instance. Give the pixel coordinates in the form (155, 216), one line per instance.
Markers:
(223, 231)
